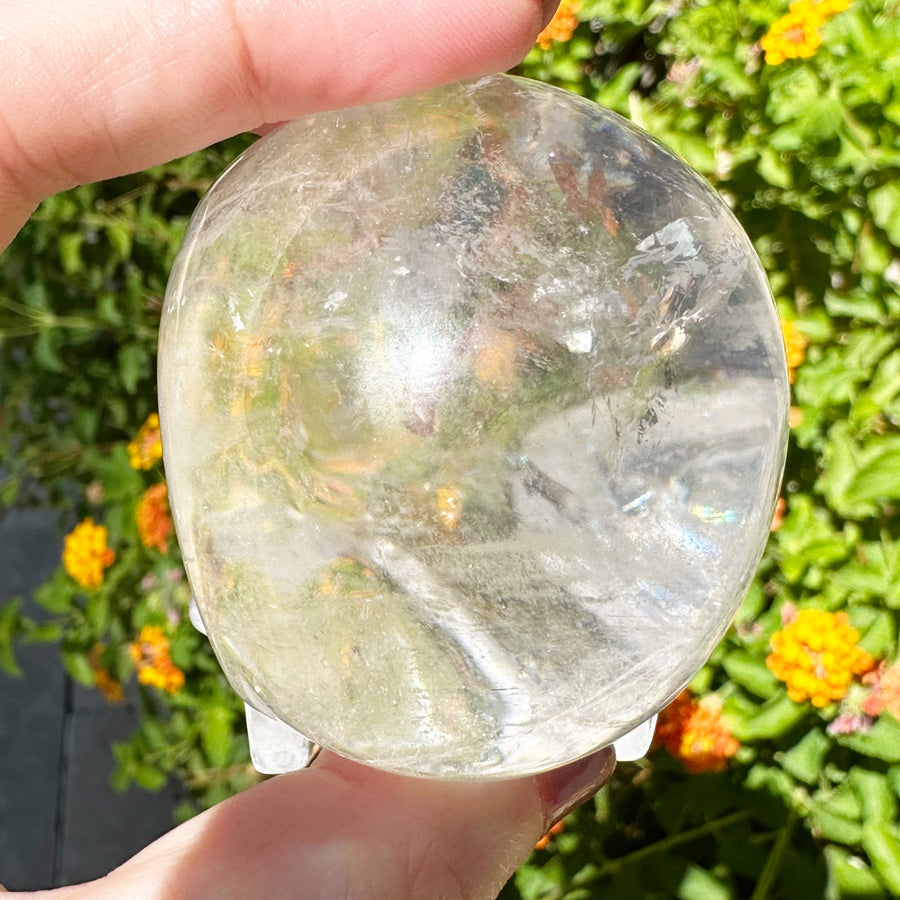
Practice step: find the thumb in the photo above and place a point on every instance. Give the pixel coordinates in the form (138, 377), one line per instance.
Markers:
(102, 89)
(340, 830)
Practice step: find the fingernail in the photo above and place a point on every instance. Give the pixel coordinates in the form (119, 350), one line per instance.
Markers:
(565, 789)
(550, 7)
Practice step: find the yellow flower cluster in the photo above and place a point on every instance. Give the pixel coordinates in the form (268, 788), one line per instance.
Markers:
(694, 732)
(795, 344)
(796, 34)
(562, 26)
(152, 516)
(86, 556)
(146, 448)
(817, 656)
(150, 655)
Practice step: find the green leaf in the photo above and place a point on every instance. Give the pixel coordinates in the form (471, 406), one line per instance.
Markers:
(751, 672)
(876, 800)
(150, 778)
(216, 734)
(849, 878)
(880, 636)
(838, 374)
(772, 167)
(893, 777)
(754, 602)
(701, 884)
(45, 353)
(881, 842)
(132, 364)
(828, 825)
(807, 539)
(873, 575)
(10, 625)
(884, 203)
(879, 479)
(542, 882)
(881, 741)
(858, 475)
(154, 733)
(43, 632)
(856, 305)
(57, 594)
(98, 613)
(805, 759)
(78, 666)
(108, 310)
(184, 811)
(119, 235)
(774, 719)
(70, 245)
(86, 421)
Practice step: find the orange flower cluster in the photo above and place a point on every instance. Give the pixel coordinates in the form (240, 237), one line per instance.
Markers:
(146, 448)
(795, 345)
(562, 26)
(694, 732)
(817, 656)
(153, 520)
(150, 654)
(885, 681)
(796, 34)
(109, 688)
(86, 556)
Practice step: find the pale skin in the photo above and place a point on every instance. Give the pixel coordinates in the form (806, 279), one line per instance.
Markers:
(98, 88)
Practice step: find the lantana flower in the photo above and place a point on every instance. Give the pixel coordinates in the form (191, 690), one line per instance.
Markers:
(86, 555)
(562, 26)
(152, 517)
(816, 655)
(795, 344)
(109, 688)
(150, 655)
(796, 34)
(885, 681)
(146, 448)
(694, 732)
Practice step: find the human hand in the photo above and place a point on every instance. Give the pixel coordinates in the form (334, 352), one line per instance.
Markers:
(101, 89)
(93, 90)
(339, 830)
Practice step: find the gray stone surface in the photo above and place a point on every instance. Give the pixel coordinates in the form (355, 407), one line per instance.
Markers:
(100, 827)
(60, 821)
(31, 727)
(32, 715)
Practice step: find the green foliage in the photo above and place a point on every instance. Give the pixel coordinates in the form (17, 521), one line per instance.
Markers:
(80, 296)
(807, 154)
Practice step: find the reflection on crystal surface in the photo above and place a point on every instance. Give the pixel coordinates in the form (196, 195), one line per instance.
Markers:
(474, 409)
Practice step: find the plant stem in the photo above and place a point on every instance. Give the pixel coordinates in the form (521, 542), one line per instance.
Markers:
(775, 859)
(669, 843)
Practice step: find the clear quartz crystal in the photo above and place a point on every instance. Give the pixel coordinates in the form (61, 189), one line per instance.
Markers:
(474, 410)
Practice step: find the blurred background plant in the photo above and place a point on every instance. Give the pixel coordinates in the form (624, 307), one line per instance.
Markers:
(777, 774)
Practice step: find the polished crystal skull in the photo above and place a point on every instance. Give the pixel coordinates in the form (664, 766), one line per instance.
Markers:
(474, 411)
